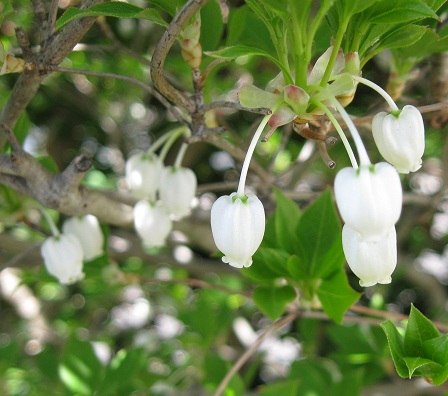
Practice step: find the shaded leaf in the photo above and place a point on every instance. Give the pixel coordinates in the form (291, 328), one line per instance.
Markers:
(272, 301)
(115, 9)
(396, 348)
(336, 296)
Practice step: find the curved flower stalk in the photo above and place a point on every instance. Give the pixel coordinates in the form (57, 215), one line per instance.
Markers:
(143, 175)
(238, 220)
(87, 230)
(400, 138)
(152, 223)
(369, 199)
(372, 259)
(62, 256)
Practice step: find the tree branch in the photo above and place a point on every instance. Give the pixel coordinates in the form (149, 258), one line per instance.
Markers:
(161, 52)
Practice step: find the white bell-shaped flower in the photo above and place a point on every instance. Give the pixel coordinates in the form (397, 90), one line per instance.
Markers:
(400, 138)
(88, 231)
(238, 224)
(369, 198)
(152, 223)
(372, 259)
(63, 258)
(177, 190)
(143, 175)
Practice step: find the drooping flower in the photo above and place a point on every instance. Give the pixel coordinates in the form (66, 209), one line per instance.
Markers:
(369, 198)
(152, 223)
(88, 231)
(142, 175)
(62, 256)
(238, 224)
(400, 138)
(372, 259)
(177, 190)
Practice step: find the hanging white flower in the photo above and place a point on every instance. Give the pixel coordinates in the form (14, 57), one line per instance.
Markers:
(152, 223)
(88, 231)
(372, 259)
(369, 198)
(143, 174)
(63, 258)
(400, 138)
(177, 190)
(238, 224)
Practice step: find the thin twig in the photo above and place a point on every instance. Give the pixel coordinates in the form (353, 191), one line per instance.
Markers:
(128, 79)
(253, 348)
(161, 51)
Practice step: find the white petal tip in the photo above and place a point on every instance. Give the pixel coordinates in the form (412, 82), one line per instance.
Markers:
(237, 264)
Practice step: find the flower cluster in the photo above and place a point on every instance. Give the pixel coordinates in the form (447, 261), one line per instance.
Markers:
(63, 254)
(369, 196)
(164, 192)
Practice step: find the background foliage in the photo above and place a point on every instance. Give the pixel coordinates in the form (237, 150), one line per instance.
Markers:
(174, 321)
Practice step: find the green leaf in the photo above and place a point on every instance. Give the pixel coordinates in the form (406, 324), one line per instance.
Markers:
(272, 301)
(297, 269)
(435, 4)
(268, 264)
(212, 29)
(437, 349)
(115, 9)
(234, 52)
(123, 369)
(403, 37)
(169, 6)
(80, 371)
(7, 10)
(433, 373)
(319, 244)
(287, 216)
(418, 330)
(396, 347)
(284, 388)
(401, 11)
(336, 296)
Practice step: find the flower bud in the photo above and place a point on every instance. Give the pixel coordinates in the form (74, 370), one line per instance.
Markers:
(369, 198)
(63, 258)
(88, 231)
(371, 259)
(177, 190)
(9, 63)
(400, 138)
(142, 175)
(238, 224)
(152, 223)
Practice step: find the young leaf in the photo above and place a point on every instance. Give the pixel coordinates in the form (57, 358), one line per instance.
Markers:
(231, 53)
(268, 264)
(272, 301)
(115, 9)
(437, 349)
(432, 372)
(80, 371)
(401, 11)
(336, 296)
(396, 347)
(284, 388)
(418, 330)
(319, 238)
(406, 35)
(287, 215)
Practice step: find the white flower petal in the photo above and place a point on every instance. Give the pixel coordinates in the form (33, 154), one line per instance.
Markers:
(400, 139)
(143, 174)
(371, 259)
(238, 228)
(152, 223)
(63, 258)
(88, 231)
(369, 198)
